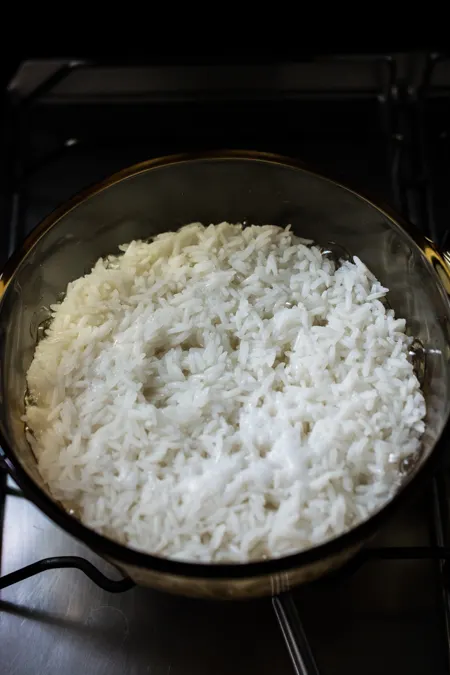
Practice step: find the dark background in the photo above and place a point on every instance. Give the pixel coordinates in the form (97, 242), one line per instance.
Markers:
(235, 55)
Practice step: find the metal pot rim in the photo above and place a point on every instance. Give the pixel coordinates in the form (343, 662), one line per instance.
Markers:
(124, 555)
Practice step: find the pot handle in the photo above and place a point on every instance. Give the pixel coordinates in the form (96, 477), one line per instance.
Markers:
(294, 635)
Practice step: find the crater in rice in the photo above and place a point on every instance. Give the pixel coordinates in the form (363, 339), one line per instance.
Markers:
(224, 393)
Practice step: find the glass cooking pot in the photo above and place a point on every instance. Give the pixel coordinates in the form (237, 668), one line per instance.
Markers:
(237, 186)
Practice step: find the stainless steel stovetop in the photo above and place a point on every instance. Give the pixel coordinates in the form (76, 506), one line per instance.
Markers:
(375, 125)
(388, 617)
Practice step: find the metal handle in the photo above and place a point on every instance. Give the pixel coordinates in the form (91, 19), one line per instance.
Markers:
(294, 635)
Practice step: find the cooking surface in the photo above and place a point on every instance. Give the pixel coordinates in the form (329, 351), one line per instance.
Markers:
(60, 621)
(388, 616)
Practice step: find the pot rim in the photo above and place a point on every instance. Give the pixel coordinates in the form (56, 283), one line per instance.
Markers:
(233, 570)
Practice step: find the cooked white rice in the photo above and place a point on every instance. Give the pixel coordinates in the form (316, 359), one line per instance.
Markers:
(223, 394)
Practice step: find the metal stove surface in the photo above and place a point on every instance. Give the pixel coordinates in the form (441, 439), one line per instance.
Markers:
(385, 618)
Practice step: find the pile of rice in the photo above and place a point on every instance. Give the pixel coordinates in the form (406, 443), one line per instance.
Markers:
(223, 394)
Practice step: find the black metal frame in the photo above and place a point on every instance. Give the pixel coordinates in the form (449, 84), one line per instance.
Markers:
(402, 115)
(57, 562)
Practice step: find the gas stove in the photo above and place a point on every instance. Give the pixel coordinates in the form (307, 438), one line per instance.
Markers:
(377, 122)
